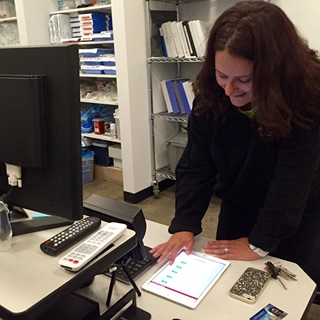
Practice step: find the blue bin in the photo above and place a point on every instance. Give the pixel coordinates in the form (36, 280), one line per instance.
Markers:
(87, 166)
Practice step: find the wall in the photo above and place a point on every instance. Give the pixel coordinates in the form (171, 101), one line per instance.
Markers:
(33, 17)
(305, 15)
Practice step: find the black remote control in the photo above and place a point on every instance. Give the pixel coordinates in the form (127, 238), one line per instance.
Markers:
(66, 238)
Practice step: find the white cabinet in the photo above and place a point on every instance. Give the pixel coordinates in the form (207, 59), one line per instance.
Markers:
(92, 78)
(129, 27)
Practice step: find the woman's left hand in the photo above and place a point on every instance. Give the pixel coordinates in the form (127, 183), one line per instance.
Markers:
(231, 249)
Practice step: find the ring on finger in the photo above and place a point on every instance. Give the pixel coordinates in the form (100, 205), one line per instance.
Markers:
(226, 250)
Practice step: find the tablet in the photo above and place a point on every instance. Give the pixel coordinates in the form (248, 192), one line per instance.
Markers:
(188, 279)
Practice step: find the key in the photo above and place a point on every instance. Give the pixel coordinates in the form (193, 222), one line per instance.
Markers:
(283, 275)
(284, 272)
(290, 274)
(287, 275)
(274, 273)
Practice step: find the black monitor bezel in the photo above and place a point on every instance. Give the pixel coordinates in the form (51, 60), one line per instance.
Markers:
(57, 188)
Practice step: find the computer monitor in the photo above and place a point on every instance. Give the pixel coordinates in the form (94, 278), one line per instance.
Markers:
(40, 129)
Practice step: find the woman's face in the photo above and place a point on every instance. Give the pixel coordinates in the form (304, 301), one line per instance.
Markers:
(234, 75)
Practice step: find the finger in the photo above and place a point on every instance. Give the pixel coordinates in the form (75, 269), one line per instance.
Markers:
(157, 251)
(153, 250)
(174, 254)
(189, 247)
(165, 253)
(220, 249)
(218, 243)
(161, 250)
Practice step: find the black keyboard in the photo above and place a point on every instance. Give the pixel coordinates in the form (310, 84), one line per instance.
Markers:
(135, 267)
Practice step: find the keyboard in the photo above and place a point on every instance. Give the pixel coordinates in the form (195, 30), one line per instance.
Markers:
(135, 267)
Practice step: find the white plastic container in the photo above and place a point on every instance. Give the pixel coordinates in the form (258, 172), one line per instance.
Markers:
(176, 145)
(66, 4)
(7, 10)
(5, 228)
(117, 120)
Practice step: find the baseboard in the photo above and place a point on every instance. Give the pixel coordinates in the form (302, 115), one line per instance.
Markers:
(146, 193)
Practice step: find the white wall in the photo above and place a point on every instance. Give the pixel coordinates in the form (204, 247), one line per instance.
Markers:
(33, 17)
(306, 16)
(304, 13)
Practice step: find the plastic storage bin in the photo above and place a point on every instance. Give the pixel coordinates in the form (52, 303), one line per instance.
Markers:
(87, 166)
(176, 145)
(115, 153)
(101, 154)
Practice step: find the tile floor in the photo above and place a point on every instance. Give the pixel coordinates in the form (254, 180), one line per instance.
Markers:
(162, 210)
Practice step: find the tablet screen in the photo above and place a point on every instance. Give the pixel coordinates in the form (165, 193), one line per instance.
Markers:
(188, 279)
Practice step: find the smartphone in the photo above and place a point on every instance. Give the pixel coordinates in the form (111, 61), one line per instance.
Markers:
(250, 285)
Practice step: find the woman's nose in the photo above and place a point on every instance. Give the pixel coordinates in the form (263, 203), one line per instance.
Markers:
(229, 87)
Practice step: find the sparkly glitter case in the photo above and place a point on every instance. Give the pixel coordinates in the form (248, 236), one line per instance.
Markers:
(250, 285)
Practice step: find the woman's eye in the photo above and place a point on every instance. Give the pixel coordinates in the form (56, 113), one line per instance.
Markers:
(222, 76)
(244, 80)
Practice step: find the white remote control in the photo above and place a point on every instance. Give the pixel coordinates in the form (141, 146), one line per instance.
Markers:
(90, 248)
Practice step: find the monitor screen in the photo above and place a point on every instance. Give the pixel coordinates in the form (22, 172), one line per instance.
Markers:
(40, 128)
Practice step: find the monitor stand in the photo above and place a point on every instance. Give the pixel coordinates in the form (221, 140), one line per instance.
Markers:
(33, 225)
(17, 211)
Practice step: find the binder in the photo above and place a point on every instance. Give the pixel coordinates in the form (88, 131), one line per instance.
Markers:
(176, 39)
(166, 39)
(163, 44)
(201, 28)
(176, 84)
(166, 95)
(184, 98)
(184, 44)
(172, 97)
(171, 49)
(195, 37)
(187, 86)
(192, 48)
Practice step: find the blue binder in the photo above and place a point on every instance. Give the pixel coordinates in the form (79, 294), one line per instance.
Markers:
(172, 96)
(184, 99)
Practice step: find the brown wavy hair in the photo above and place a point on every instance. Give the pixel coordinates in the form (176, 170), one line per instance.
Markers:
(286, 72)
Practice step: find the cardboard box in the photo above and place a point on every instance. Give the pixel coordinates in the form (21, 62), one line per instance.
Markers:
(110, 174)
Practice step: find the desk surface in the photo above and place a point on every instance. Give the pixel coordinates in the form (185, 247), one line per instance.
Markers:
(32, 281)
(217, 304)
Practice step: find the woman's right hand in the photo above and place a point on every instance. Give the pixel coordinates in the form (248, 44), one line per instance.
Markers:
(178, 241)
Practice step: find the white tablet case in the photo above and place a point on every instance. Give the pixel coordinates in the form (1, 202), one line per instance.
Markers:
(188, 279)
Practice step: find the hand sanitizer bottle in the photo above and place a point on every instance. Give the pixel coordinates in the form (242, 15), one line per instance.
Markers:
(5, 228)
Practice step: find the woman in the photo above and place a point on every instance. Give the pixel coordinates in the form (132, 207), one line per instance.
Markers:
(253, 140)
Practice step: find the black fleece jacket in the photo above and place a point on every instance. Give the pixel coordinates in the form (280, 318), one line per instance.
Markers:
(278, 181)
